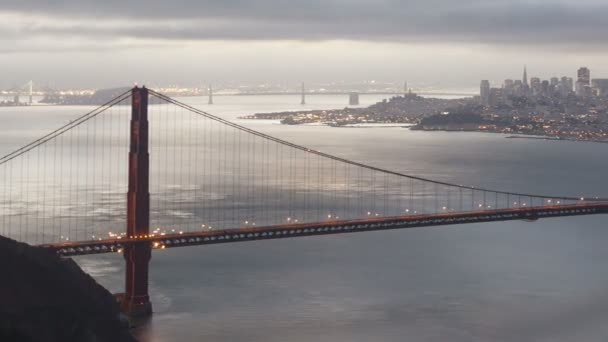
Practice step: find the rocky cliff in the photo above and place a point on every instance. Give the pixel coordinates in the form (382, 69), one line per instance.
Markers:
(47, 298)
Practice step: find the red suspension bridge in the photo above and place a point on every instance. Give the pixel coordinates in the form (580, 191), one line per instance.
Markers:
(192, 178)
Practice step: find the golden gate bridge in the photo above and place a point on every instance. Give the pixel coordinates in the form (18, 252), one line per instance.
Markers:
(145, 171)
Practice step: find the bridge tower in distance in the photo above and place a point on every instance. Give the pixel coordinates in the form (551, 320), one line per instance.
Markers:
(136, 301)
(31, 91)
(210, 91)
(303, 95)
(353, 99)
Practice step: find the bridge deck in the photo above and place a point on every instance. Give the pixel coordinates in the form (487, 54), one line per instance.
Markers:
(323, 228)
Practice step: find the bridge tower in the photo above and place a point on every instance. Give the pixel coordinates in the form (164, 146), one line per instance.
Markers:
(136, 301)
(303, 95)
(210, 94)
(353, 99)
(31, 90)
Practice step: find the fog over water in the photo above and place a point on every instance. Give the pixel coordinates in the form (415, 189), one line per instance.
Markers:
(512, 281)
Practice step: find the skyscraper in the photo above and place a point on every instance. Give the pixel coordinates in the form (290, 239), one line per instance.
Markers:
(554, 81)
(583, 82)
(600, 85)
(565, 86)
(535, 85)
(584, 76)
(496, 95)
(518, 88)
(525, 78)
(508, 88)
(484, 92)
(544, 86)
(553, 85)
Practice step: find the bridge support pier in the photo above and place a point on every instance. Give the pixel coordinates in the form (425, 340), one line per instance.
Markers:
(136, 302)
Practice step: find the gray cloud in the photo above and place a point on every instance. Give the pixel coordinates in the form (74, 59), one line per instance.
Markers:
(490, 21)
(85, 42)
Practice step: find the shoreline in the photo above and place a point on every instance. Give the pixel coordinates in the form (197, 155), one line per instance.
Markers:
(412, 127)
(535, 137)
(513, 135)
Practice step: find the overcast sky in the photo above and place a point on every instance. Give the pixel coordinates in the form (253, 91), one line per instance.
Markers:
(80, 43)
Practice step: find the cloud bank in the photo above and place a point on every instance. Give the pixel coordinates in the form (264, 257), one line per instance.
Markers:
(549, 22)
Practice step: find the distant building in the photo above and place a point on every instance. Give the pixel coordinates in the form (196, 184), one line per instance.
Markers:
(484, 92)
(544, 86)
(535, 86)
(584, 76)
(496, 95)
(553, 85)
(507, 87)
(570, 82)
(518, 88)
(600, 87)
(554, 81)
(583, 82)
(565, 86)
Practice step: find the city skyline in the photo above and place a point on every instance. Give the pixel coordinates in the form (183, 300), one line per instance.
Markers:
(583, 84)
(295, 85)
